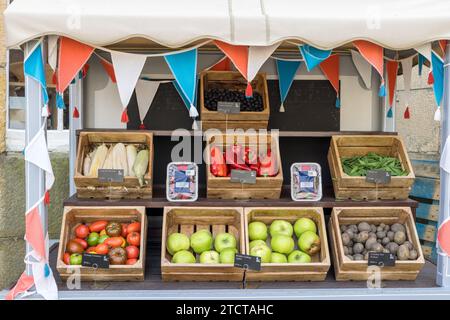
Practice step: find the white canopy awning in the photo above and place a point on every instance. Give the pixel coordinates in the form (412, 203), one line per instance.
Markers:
(399, 24)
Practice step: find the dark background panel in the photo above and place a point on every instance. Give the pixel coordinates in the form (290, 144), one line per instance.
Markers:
(310, 106)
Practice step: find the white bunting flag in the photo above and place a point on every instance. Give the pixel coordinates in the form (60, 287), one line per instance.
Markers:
(364, 68)
(36, 152)
(127, 69)
(52, 48)
(425, 50)
(257, 56)
(407, 70)
(145, 93)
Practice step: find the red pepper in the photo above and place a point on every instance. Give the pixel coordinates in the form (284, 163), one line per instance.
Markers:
(250, 155)
(268, 165)
(218, 165)
(235, 155)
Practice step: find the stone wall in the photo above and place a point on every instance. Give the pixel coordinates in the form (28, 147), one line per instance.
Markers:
(12, 210)
(2, 80)
(420, 133)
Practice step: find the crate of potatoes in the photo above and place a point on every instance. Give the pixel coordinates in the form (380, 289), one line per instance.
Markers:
(389, 232)
(199, 244)
(118, 234)
(130, 151)
(292, 243)
(252, 153)
(229, 86)
(352, 157)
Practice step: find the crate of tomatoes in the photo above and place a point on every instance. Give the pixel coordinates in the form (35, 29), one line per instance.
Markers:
(103, 243)
(243, 166)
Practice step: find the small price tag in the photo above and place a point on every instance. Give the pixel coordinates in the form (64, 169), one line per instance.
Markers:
(378, 176)
(247, 262)
(381, 259)
(96, 261)
(110, 175)
(243, 176)
(228, 107)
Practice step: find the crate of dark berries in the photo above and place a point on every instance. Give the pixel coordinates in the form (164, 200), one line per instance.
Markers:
(224, 104)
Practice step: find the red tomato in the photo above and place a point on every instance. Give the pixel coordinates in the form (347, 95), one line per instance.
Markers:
(131, 261)
(91, 250)
(132, 252)
(82, 231)
(114, 242)
(98, 226)
(134, 239)
(102, 248)
(66, 258)
(124, 230)
(82, 242)
(134, 227)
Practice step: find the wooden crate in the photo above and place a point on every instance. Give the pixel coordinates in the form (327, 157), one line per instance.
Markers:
(188, 220)
(314, 271)
(264, 188)
(233, 81)
(90, 187)
(356, 188)
(346, 269)
(73, 216)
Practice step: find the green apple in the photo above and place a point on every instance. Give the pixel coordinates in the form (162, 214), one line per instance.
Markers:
(75, 259)
(201, 241)
(278, 258)
(177, 242)
(224, 241)
(227, 255)
(297, 256)
(304, 224)
(256, 242)
(257, 231)
(282, 244)
(209, 257)
(92, 239)
(183, 256)
(263, 252)
(309, 242)
(281, 227)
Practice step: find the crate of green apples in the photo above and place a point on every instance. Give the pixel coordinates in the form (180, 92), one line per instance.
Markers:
(292, 243)
(199, 244)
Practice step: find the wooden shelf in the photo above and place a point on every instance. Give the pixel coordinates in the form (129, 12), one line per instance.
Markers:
(283, 134)
(159, 201)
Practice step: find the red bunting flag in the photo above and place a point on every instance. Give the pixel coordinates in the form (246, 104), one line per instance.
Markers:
(73, 55)
(392, 69)
(443, 45)
(109, 68)
(443, 237)
(373, 54)
(239, 56)
(223, 64)
(330, 68)
(34, 233)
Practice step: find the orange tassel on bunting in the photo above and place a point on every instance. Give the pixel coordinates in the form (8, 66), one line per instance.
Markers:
(430, 80)
(76, 114)
(249, 90)
(124, 118)
(406, 114)
(47, 198)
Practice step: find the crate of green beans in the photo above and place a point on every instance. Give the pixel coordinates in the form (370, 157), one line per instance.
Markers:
(352, 157)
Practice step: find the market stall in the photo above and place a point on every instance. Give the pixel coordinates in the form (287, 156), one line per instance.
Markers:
(309, 180)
